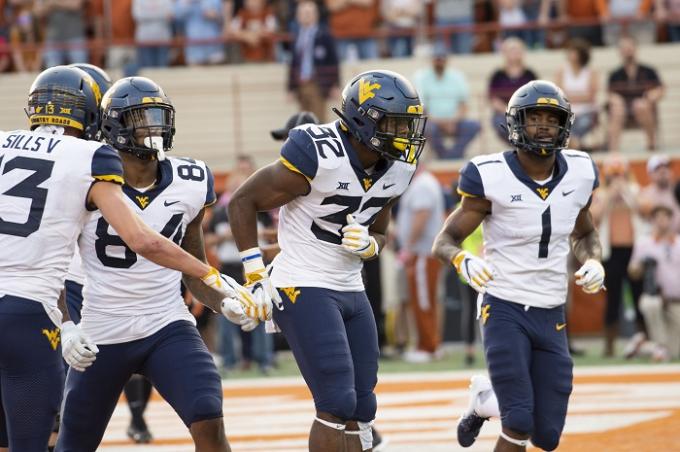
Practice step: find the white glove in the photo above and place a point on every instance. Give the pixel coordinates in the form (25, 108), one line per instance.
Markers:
(357, 240)
(257, 276)
(77, 348)
(590, 276)
(473, 269)
(232, 309)
(253, 300)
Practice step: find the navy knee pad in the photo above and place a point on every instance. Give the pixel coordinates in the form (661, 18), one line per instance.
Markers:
(367, 405)
(519, 421)
(204, 408)
(341, 404)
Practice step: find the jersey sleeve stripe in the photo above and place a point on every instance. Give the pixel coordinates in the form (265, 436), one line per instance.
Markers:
(292, 167)
(470, 181)
(110, 178)
(464, 193)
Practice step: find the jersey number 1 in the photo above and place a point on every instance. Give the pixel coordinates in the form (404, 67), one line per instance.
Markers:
(546, 230)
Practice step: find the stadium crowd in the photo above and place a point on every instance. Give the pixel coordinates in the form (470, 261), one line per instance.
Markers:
(159, 33)
(638, 225)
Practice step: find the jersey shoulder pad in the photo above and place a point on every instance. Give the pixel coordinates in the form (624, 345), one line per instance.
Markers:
(106, 164)
(476, 172)
(583, 164)
(299, 154)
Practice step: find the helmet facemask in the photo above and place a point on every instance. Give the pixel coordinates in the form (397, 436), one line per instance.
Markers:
(146, 130)
(543, 139)
(399, 136)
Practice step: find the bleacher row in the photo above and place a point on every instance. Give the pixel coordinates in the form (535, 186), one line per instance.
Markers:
(226, 110)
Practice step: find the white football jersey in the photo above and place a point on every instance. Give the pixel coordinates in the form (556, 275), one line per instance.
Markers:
(526, 235)
(44, 181)
(126, 296)
(310, 226)
(75, 269)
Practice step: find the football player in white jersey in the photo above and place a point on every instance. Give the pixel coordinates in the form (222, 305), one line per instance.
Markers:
(133, 309)
(138, 389)
(532, 203)
(49, 179)
(335, 184)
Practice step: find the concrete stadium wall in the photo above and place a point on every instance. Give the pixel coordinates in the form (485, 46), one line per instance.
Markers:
(226, 110)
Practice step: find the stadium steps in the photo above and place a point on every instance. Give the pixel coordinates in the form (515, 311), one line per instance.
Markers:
(227, 110)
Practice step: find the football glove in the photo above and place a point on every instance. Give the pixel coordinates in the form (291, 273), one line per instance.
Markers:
(213, 279)
(590, 276)
(257, 275)
(357, 240)
(474, 270)
(232, 309)
(254, 302)
(77, 348)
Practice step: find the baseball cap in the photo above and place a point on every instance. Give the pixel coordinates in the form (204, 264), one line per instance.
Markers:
(657, 161)
(298, 119)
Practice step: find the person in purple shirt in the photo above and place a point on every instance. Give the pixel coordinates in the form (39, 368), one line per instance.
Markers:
(506, 80)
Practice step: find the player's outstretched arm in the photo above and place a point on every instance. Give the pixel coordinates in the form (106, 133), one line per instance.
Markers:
(585, 243)
(270, 187)
(193, 244)
(460, 224)
(108, 198)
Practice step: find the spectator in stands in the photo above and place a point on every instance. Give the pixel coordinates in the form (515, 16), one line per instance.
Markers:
(254, 345)
(5, 55)
(580, 84)
(64, 31)
(637, 11)
(634, 92)
(660, 190)
(119, 32)
(421, 212)
(153, 24)
(506, 80)
(614, 210)
(253, 27)
(583, 10)
(537, 12)
(401, 17)
(314, 74)
(669, 11)
(445, 94)
(661, 249)
(352, 21)
(24, 31)
(449, 13)
(202, 20)
(511, 14)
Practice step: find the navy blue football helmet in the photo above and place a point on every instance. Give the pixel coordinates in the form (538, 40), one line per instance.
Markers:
(99, 75)
(383, 111)
(538, 94)
(67, 97)
(138, 117)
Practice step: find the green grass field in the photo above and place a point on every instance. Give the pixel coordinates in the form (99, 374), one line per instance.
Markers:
(453, 360)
